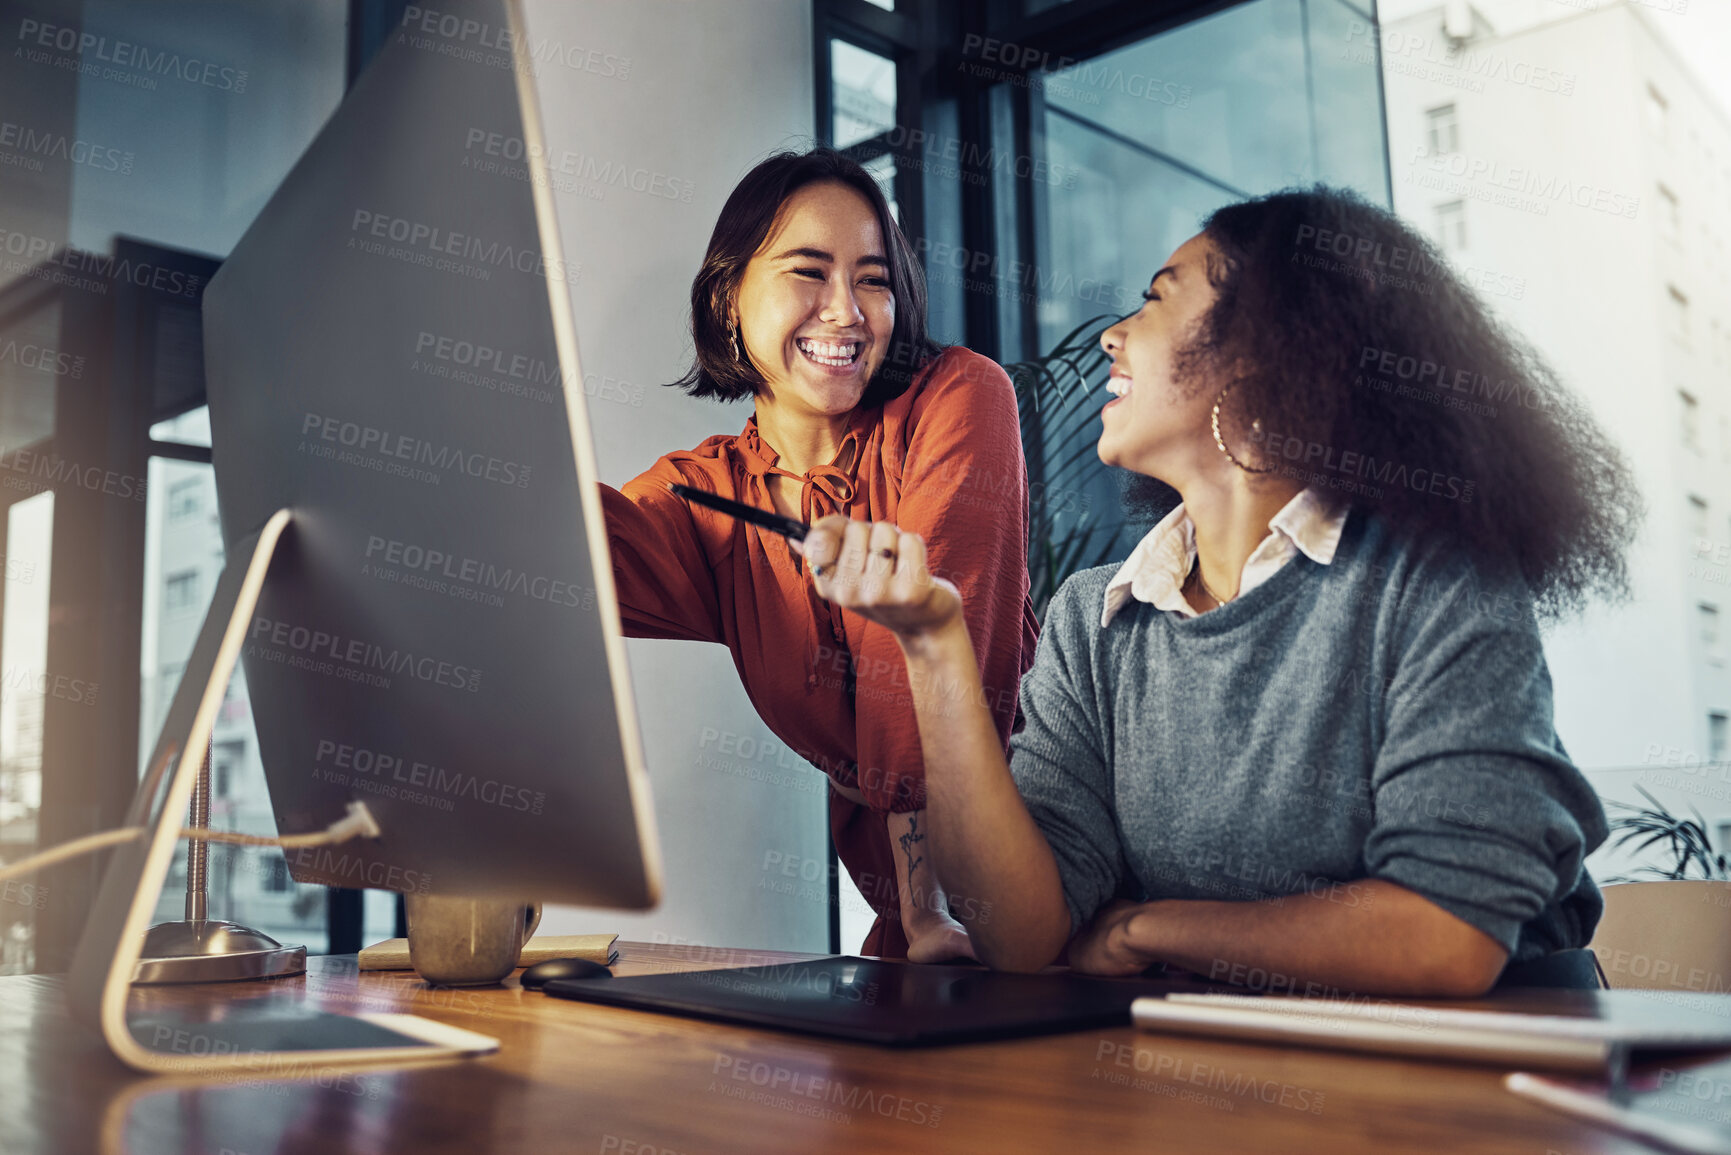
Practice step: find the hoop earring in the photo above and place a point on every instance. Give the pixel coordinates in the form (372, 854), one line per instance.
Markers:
(1220, 441)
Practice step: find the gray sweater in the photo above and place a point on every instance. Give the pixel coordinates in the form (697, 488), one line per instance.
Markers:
(1387, 716)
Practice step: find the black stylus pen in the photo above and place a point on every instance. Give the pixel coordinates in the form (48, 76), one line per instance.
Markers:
(786, 526)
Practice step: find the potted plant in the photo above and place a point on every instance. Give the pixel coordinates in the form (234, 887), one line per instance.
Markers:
(1055, 398)
(1693, 854)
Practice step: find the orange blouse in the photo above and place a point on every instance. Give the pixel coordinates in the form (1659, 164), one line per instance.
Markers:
(943, 460)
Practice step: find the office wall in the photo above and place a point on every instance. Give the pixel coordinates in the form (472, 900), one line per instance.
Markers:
(656, 108)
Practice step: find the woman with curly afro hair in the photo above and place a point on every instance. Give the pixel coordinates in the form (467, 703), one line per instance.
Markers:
(1302, 738)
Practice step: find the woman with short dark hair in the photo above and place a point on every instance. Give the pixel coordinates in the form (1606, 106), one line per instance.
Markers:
(810, 302)
(1305, 731)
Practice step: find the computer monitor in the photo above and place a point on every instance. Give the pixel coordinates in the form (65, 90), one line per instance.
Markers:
(418, 584)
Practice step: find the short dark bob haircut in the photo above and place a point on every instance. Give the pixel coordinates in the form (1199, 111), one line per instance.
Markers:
(745, 223)
(1347, 335)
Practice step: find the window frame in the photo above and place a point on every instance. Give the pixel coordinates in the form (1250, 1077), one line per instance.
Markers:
(1689, 420)
(1433, 119)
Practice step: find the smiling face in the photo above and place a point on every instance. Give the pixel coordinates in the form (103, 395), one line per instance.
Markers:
(1155, 424)
(815, 305)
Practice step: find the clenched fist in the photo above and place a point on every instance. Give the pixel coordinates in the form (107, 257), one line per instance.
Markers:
(879, 572)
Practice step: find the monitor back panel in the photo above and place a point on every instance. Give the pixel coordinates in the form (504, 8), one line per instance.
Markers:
(389, 356)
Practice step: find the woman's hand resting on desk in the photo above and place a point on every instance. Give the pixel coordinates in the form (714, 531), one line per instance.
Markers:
(879, 572)
(940, 940)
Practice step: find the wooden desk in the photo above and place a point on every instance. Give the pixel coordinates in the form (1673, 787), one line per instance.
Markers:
(579, 1078)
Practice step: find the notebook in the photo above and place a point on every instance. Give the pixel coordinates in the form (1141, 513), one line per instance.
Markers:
(1615, 1023)
(393, 953)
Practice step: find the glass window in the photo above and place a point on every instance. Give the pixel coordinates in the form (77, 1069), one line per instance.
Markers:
(1718, 736)
(1015, 275)
(863, 93)
(1134, 148)
(883, 170)
(1691, 413)
(1442, 131)
(195, 130)
(204, 149)
(1658, 112)
(1451, 226)
(188, 429)
(1118, 215)
(1709, 618)
(28, 530)
(1698, 516)
(185, 499)
(941, 250)
(226, 758)
(1678, 309)
(1225, 96)
(180, 592)
(1670, 219)
(379, 916)
(183, 558)
(1346, 110)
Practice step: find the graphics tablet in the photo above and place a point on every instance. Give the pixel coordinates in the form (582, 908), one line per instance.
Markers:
(893, 1004)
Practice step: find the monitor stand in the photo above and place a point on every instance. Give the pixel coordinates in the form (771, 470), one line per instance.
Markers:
(201, 949)
(283, 1043)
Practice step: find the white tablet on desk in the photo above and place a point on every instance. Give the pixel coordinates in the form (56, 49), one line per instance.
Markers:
(1612, 1024)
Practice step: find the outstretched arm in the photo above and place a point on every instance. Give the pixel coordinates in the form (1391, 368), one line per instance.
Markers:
(982, 842)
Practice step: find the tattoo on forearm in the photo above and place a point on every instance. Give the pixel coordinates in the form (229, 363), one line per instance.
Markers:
(909, 841)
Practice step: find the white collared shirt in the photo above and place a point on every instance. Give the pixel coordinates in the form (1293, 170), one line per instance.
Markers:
(1157, 568)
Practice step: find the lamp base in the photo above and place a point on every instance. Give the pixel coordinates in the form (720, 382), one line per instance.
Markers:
(213, 951)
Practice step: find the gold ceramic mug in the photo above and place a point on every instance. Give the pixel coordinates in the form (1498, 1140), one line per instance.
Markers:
(463, 942)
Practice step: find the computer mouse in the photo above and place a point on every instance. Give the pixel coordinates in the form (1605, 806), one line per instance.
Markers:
(539, 975)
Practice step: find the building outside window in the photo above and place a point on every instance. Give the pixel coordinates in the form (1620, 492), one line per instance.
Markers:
(1451, 226)
(185, 499)
(226, 760)
(1718, 736)
(180, 592)
(1442, 130)
(1677, 304)
(1691, 413)
(1670, 216)
(1708, 615)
